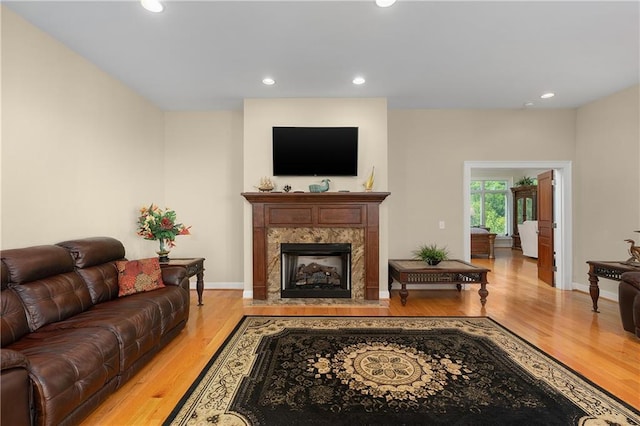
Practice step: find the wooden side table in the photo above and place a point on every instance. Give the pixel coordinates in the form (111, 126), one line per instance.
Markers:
(605, 269)
(193, 266)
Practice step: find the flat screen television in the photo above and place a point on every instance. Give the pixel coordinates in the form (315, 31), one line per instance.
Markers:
(315, 151)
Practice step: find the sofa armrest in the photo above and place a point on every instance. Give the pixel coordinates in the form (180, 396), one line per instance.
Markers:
(12, 359)
(632, 278)
(175, 275)
(15, 391)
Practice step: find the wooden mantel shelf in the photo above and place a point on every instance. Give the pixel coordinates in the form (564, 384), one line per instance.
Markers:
(316, 210)
(315, 197)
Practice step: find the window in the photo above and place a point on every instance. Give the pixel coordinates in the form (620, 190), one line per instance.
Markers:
(489, 204)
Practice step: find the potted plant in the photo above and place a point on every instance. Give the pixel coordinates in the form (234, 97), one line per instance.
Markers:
(525, 181)
(431, 253)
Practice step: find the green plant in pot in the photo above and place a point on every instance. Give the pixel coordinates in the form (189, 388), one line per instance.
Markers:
(525, 181)
(431, 253)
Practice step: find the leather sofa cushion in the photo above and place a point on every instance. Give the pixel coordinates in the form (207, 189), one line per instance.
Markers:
(53, 299)
(34, 263)
(13, 321)
(88, 252)
(102, 282)
(173, 303)
(134, 321)
(68, 366)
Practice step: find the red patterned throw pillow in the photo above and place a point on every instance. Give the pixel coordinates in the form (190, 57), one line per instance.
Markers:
(136, 276)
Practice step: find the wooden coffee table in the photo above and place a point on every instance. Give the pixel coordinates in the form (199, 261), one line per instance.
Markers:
(452, 271)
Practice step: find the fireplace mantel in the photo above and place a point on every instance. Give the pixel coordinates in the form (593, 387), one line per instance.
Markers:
(316, 210)
(315, 197)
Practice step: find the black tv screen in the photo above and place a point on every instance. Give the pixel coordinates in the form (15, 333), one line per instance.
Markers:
(315, 151)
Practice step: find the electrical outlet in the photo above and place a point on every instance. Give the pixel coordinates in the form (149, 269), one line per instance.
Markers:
(441, 224)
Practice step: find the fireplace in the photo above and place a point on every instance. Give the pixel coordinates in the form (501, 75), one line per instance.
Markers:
(326, 217)
(315, 270)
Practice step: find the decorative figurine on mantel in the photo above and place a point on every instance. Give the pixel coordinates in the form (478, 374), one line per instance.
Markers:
(265, 185)
(323, 187)
(368, 184)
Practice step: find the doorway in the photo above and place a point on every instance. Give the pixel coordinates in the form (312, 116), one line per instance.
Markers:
(562, 210)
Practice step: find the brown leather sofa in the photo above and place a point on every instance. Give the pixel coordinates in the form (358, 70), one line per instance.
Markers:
(68, 340)
(629, 301)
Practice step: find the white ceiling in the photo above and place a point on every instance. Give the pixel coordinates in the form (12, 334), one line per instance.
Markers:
(208, 55)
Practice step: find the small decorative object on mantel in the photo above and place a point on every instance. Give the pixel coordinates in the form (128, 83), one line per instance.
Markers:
(431, 253)
(286, 188)
(323, 187)
(368, 184)
(157, 224)
(634, 251)
(266, 185)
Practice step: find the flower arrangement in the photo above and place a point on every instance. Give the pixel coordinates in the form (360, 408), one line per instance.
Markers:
(157, 224)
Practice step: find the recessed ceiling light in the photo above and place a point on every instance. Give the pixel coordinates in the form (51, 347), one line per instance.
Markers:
(152, 5)
(385, 3)
(268, 81)
(359, 80)
(547, 95)
(528, 104)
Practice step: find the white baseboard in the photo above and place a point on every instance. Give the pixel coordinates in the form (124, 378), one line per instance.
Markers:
(384, 294)
(218, 285)
(603, 294)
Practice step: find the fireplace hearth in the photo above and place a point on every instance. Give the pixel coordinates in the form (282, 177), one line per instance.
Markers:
(317, 270)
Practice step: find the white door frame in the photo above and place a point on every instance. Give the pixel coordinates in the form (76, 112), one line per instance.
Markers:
(562, 237)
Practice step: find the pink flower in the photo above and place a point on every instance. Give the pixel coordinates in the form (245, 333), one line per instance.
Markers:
(166, 223)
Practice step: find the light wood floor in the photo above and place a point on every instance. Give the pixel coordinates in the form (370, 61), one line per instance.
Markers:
(558, 322)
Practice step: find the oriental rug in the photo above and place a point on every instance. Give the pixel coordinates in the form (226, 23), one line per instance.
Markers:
(390, 371)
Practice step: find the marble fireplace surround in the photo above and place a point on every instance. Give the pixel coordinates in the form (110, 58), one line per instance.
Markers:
(327, 217)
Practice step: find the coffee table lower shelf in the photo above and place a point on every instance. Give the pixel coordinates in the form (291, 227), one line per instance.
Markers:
(452, 271)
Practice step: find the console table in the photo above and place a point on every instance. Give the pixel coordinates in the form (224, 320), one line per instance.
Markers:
(605, 269)
(193, 266)
(446, 272)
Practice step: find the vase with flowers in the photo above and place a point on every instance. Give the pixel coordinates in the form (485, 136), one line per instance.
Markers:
(155, 223)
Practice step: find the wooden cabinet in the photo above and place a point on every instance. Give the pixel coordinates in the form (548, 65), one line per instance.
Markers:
(525, 205)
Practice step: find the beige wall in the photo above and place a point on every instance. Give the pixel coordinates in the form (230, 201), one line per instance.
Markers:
(204, 178)
(80, 151)
(427, 150)
(607, 175)
(369, 115)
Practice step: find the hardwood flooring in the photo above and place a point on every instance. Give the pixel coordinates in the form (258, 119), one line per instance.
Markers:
(558, 322)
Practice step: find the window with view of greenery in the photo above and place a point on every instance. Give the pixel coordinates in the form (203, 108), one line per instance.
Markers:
(489, 204)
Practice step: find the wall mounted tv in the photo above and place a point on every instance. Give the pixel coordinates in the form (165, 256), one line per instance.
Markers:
(315, 151)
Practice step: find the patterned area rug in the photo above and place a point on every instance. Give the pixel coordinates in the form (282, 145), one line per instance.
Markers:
(389, 371)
